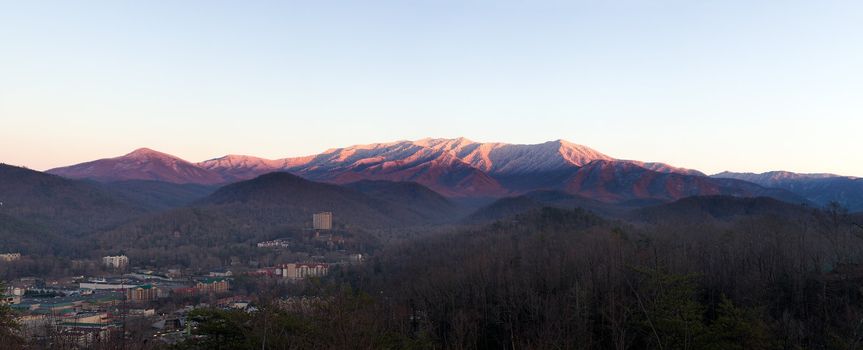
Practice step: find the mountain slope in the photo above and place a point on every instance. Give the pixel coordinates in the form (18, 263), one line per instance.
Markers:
(141, 164)
(27, 238)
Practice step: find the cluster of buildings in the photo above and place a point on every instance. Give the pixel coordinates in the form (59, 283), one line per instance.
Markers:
(85, 312)
(321, 234)
(205, 286)
(132, 287)
(276, 243)
(82, 319)
(78, 318)
(321, 223)
(143, 288)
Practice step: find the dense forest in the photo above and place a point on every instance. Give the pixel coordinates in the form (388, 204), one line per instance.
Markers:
(737, 277)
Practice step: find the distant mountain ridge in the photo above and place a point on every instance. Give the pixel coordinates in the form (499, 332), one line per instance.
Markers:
(621, 181)
(452, 167)
(821, 189)
(775, 178)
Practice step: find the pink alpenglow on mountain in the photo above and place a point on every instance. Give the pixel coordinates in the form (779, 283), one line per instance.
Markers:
(503, 158)
(452, 167)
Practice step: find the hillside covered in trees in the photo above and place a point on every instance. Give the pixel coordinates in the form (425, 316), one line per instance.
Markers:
(563, 279)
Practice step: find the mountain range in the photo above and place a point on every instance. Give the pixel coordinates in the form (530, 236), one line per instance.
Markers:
(152, 199)
(461, 168)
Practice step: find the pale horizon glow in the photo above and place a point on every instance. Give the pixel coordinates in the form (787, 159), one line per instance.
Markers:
(708, 85)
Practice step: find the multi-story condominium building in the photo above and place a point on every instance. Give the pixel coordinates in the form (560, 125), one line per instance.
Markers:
(323, 221)
(146, 292)
(303, 270)
(117, 262)
(212, 285)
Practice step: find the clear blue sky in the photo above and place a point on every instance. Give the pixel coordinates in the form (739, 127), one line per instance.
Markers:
(712, 85)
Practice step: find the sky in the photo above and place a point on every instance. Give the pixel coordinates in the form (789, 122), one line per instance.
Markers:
(711, 85)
